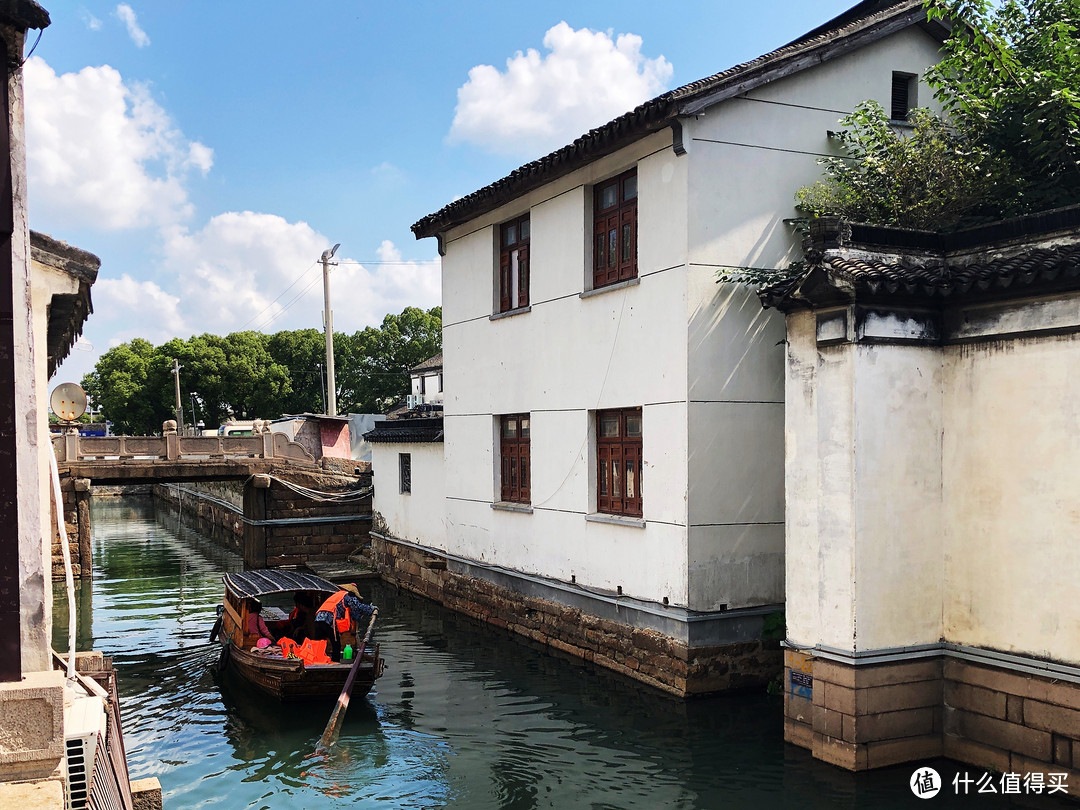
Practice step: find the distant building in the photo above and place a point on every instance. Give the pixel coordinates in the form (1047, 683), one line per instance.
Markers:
(321, 435)
(426, 382)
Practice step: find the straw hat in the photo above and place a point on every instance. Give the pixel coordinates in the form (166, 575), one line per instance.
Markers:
(351, 589)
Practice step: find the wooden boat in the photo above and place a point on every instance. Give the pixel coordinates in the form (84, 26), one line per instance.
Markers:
(287, 679)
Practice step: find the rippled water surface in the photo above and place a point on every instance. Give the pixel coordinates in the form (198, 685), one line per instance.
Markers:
(465, 716)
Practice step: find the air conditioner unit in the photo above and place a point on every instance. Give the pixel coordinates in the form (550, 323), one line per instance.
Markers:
(84, 733)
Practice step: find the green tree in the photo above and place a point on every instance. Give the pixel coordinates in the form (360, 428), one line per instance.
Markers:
(252, 375)
(119, 385)
(1010, 81)
(1010, 141)
(375, 371)
(303, 354)
(931, 176)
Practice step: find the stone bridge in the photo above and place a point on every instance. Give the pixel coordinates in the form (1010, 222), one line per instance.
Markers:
(268, 519)
(171, 457)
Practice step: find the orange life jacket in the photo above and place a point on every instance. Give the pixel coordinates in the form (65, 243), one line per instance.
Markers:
(344, 624)
(310, 652)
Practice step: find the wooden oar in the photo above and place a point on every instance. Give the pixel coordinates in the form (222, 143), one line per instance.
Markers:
(331, 731)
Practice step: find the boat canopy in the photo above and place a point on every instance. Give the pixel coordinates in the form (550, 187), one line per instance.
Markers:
(258, 583)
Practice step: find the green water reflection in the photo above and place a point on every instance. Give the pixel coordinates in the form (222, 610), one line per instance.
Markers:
(465, 716)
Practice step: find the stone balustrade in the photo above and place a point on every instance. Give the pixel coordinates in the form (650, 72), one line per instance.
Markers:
(71, 447)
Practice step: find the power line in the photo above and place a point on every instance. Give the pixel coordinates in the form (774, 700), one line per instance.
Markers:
(274, 316)
(257, 316)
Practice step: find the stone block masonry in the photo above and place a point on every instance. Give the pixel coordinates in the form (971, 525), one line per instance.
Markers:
(989, 713)
(648, 656)
(273, 525)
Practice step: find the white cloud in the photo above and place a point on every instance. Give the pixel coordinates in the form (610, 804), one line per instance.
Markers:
(103, 153)
(542, 102)
(91, 22)
(127, 16)
(246, 270)
(127, 308)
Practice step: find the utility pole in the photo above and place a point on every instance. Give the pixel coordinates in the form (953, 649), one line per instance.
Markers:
(328, 323)
(179, 407)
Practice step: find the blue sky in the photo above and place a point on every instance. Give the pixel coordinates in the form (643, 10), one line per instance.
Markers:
(208, 152)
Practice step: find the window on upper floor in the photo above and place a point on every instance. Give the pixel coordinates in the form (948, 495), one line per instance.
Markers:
(615, 230)
(618, 462)
(405, 472)
(514, 264)
(904, 95)
(514, 473)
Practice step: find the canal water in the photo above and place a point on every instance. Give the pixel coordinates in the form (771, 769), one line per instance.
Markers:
(465, 715)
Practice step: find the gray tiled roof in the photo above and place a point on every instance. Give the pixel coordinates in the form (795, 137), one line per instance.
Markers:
(946, 278)
(431, 364)
(862, 23)
(845, 261)
(405, 431)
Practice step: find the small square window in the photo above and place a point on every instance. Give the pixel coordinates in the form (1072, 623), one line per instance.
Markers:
(405, 472)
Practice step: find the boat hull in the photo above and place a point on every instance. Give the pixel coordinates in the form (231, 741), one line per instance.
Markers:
(290, 680)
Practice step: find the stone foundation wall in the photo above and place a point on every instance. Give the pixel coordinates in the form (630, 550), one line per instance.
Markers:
(290, 543)
(863, 717)
(282, 533)
(1012, 722)
(644, 655)
(76, 496)
(222, 524)
(989, 716)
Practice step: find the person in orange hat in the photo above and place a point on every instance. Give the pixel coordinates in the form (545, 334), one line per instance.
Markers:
(342, 612)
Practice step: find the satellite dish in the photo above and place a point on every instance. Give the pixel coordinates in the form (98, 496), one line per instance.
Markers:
(68, 401)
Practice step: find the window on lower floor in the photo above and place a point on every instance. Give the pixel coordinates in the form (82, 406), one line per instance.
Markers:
(514, 473)
(405, 472)
(618, 462)
(615, 230)
(514, 264)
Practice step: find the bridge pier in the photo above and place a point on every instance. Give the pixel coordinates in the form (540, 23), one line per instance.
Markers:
(76, 497)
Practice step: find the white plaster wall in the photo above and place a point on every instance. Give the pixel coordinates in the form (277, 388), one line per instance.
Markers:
(750, 154)
(747, 158)
(802, 554)
(45, 282)
(32, 443)
(898, 490)
(419, 516)
(1012, 438)
(560, 362)
(833, 571)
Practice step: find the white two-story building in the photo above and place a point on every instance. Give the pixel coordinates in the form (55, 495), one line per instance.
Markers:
(613, 437)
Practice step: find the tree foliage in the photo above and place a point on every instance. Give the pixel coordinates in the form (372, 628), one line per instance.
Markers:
(1009, 144)
(930, 177)
(1010, 80)
(250, 374)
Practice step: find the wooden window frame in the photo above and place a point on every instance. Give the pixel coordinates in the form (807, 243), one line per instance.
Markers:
(405, 473)
(615, 231)
(511, 253)
(515, 461)
(904, 97)
(618, 465)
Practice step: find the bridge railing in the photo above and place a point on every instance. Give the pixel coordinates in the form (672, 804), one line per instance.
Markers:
(170, 446)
